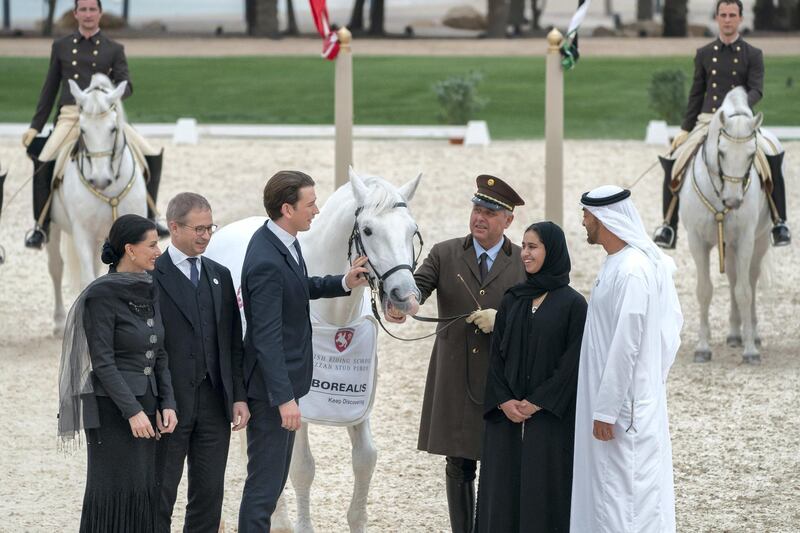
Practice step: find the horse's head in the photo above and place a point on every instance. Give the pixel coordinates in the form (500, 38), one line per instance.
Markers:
(735, 130)
(101, 118)
(385, 231)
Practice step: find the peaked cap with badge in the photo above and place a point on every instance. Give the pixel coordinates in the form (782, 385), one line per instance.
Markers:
(495, 194)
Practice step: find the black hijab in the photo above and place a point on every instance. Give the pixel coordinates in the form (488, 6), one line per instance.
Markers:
(553, 275)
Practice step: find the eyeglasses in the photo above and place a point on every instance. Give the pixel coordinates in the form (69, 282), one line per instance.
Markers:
(200, 230)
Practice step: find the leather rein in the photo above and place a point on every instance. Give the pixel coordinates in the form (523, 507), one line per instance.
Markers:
(355, 246)
(82, 153)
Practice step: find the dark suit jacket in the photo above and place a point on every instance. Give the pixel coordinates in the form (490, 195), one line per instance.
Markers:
(76, 58)
(718, 68)
(175, 299)
(278, 357)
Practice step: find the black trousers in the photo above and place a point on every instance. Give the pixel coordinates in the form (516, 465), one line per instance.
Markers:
(202, 441)
(269, 454)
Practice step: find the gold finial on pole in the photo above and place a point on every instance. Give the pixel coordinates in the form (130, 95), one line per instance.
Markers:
(345, 37)
(554, 39)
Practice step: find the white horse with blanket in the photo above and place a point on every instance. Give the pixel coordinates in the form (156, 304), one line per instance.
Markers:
(724, 206)
(368, 216)
(101, 182)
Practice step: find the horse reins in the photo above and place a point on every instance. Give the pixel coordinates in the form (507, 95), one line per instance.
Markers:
(355, 243)
(719, 215)
(83, 153)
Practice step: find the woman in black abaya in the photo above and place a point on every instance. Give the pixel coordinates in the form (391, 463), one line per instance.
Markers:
(526, 467)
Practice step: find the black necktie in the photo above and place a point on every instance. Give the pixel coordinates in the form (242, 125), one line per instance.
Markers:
(194, 275)
(300, 260)
(483, 265)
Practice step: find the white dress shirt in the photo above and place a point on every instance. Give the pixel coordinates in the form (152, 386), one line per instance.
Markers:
(288, 240)
(181, 260)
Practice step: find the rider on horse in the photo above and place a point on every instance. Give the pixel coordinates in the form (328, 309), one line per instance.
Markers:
(720, 66)
(78, 57)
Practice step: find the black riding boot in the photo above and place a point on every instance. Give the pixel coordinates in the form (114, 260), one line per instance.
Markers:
(42, 180)
(460, 488)
(781, 236)
(666, 235)
(154, 163)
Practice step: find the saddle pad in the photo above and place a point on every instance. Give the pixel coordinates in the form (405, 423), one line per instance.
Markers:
(345, 373)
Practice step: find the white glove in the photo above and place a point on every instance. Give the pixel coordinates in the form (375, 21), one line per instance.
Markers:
(484, 319)
(679, 139)
(27, 137)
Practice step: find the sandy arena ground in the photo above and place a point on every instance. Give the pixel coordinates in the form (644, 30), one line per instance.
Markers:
(735, 430)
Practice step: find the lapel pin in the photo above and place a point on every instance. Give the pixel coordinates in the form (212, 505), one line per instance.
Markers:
(216, 281)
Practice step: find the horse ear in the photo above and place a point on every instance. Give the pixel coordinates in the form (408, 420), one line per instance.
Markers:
(359, 187)
(77, 93)
(407, 191)
(757, 120)
(114, 96)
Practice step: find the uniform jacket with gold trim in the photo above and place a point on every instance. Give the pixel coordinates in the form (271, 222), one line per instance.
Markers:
(77, 58)
(718, 68)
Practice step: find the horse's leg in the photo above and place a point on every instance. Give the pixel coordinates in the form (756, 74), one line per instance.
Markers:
(302, 474)
(280, 522)
(700, 251)
(734, 338)
(55, 264)
(759, 252)
(364, 458)
(744, 297)
(87, 255)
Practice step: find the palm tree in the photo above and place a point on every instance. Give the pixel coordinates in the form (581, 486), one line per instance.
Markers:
(497, 15)
(262, 18)
(357, 17)
(644, 10)
(376, 16)
(47, 28)
(291, 21)
(675, 14)
(6, 14)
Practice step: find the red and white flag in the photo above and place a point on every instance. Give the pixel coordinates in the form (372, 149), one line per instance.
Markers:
(330, 41)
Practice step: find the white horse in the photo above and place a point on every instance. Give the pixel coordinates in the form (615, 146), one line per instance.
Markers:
(101, 182)
(379, 212)
(724, 203)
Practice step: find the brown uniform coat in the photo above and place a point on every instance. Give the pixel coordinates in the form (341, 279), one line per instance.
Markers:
(452, 412)
(76, 58)
(718, 68)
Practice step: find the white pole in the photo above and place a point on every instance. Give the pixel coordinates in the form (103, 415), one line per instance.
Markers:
(343, 108)
(554, 131)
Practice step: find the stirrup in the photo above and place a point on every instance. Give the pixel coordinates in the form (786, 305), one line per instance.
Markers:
(664, 237)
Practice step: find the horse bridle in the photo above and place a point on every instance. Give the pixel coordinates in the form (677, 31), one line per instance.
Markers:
(82, 153)
(376, 280)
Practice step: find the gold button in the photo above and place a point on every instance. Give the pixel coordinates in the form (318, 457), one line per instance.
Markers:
(97, 42)
(713, 109)
(74, 50)
(714, 59)
(474, 350)
(716, 47)
(713, 72)
(74, 41)
(714, 84)
(714, 97)
(94, 64)
(74, 63)
(75, 76)
(95, 52)
(734, 73)
(738, 48)
(477, 331)
(735, 59)
(481, 292)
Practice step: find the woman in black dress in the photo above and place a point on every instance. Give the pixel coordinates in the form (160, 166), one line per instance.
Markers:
(114, 383)
(526, 471)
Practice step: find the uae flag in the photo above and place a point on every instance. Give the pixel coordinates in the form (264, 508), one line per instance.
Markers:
(330, 41)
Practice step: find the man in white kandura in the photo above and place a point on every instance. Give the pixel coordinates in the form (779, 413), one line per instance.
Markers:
(623, 457)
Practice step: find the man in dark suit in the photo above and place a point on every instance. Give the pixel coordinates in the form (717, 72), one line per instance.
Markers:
(204, 343)
(278, 354)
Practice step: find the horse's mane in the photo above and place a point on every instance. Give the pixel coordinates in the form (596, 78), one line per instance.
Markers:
(95, 104)
(382, 195)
